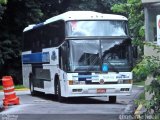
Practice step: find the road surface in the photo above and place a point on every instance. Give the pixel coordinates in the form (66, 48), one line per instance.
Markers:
(46, 107)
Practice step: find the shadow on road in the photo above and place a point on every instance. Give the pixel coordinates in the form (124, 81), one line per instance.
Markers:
(74, 100)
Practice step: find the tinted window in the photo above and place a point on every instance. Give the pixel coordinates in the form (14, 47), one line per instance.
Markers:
(50, 35)
(97, 28)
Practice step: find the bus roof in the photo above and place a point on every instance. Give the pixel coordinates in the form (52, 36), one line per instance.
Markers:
(78, 15)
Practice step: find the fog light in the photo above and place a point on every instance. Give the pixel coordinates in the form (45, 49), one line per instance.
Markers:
(76, 90)
(124, 89)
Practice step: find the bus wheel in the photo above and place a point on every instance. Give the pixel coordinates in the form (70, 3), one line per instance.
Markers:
(58, 91)
(112, 99)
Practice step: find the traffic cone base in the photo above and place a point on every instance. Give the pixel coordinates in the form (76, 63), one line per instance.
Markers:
(9, 93)
(8, 102)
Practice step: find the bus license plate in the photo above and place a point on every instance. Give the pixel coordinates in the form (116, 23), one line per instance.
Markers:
(101, 90)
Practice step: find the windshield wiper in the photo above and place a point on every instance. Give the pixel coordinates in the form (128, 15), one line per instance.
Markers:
(93, 63)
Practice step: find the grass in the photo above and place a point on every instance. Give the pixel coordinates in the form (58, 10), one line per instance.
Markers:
(1, 87)
(141, 83)
(16, 87)
(142, 96)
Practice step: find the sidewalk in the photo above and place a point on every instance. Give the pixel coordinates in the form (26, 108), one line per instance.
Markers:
(132, 107)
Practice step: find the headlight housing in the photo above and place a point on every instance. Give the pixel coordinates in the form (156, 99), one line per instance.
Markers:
(76, 82)
(124, 81)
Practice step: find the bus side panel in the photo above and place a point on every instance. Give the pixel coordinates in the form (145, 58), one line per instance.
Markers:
(53, 67)
(26, 70)
(49, 85)
(63, 83)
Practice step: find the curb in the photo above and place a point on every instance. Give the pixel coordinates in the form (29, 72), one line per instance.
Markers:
(131, 106)
(139, 86)
(22, 89)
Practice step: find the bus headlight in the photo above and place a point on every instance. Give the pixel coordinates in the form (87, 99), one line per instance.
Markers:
(76, 82)
(125, 81)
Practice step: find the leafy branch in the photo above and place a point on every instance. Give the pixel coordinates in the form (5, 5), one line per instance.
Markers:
(150, 66)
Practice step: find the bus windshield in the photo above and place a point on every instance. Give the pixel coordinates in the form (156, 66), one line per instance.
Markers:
(90, 55)
(96, 28)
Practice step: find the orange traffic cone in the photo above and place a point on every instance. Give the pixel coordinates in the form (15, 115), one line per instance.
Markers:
(10, 97)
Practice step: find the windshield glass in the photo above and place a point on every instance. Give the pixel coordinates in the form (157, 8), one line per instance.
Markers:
(116, 54)
(96, 28)
(91, 55)
(84, 53)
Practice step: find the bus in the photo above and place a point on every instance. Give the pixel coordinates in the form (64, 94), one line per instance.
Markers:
(78, 54)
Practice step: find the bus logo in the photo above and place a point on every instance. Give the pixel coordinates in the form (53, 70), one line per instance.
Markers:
(53, 57)
(104, 68)
(101, 81)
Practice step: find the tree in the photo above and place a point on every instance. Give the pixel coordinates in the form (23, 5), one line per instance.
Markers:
(103, 6)
(150, 66)
(1, 7)
(16, 17)
(133, 10)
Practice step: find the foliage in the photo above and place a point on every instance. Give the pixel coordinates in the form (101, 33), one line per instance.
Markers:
(16, 87)
(3, 1)
(133, 10)
(141, 83)
(103, 6)
(2, 8)
(14, 20)
(18, 14)
(144, 68)
(150, 66)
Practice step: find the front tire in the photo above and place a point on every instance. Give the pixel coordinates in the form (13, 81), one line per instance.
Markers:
(58, 91)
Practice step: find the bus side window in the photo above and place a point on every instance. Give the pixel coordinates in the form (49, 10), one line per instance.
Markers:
(26, 40)
(63, 56)
(36, 40)
(51, 35)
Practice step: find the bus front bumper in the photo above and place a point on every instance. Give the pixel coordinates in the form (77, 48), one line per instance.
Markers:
(98, 90)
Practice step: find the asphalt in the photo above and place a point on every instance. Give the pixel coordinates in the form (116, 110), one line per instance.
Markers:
(130, 109)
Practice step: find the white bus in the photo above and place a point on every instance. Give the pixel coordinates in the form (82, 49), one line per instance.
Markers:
(78, 54)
